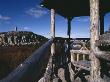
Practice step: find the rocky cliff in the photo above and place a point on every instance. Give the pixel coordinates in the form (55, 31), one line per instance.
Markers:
(20, 38)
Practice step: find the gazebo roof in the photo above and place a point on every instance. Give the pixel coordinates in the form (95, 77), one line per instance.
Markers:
(74, 8)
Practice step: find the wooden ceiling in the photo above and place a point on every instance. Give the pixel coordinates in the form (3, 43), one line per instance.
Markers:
(74, 8)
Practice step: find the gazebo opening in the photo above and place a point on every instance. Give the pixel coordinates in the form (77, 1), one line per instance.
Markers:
(80, 27)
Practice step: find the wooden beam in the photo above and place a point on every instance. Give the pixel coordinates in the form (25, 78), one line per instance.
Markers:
(103, 55)
(82, 64)
(94, 35)
(94, 22)
(68, 40)
(53, 30)
(101, 7)
(104, 42)
(85, 52)
(52, 36)
(52, 23)
(69, 28)
(101, 24)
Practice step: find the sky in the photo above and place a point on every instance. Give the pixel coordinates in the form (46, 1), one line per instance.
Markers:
(28, 15)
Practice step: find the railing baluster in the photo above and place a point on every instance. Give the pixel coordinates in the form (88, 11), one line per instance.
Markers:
(77, 57)
(84, 57)
(72, 57)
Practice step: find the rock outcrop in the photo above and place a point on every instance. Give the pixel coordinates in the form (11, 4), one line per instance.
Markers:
(20, 38)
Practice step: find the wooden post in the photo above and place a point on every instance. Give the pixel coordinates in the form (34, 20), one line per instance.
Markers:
(84, 57)
(69, 35)
(101, 24)
(52, 36)
(69, 28)
(77, 59)
(67, 73)
(94, 35)
(52, 23)
(101, 7)
(84, 48)
(72, 57)
(53, 30)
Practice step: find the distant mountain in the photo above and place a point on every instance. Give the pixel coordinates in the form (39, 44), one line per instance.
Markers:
(20, 38)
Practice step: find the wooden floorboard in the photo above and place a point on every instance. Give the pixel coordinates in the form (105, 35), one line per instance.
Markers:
(83, 64)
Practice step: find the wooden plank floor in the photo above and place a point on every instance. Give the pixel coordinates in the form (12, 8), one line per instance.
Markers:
(83, 64)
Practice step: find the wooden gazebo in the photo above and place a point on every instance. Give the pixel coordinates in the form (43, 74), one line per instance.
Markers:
(32, 69)
(69, 9)
(75, 8)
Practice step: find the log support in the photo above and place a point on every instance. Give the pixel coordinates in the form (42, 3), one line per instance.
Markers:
(77, 59)
(84, 57)
(69, 36)
(69, 28)
(101, 24)
(52, 23)
(101, 7)
(72, 57)
(52, 36)
(94, 35)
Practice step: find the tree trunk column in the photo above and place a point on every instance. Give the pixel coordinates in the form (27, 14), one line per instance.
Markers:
(94, 35)
(52, 36)
(53, 30)
(69, 28)
(101, 24)
(69, 36)
(52, 23)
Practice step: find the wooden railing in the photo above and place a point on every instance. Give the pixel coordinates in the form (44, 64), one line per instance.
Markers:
(80, 54)
(75, 55)
(103, 54)
(32, 67)
(80, 58)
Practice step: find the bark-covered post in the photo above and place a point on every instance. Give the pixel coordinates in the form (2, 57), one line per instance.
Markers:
(69, 36)
(84, 48)
(101, 7)
(94, 35)
(52, 35)
(77, 59)
(69, 28)
(67, 70)
(84, 57)
(52, 23)
(72, 57)
(101, 24)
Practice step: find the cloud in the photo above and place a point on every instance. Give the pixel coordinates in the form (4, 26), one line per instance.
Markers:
(4, 17)
(36, 12)
(26, 28)
(82, 19)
